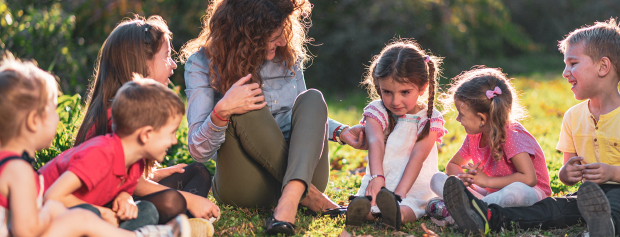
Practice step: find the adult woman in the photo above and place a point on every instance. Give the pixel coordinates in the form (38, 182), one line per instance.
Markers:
(269, 132)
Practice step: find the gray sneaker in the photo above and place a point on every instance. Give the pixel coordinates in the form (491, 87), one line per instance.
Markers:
(469, 212)
(594, 208)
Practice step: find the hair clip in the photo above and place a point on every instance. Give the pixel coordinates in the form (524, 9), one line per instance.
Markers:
(491, 93)
(427, 58)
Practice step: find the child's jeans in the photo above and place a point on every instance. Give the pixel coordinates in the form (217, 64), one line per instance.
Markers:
(516, 194)
(147, 215)
(559, 212)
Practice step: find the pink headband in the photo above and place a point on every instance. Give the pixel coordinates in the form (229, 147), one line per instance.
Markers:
(492, 93)
(427, 58)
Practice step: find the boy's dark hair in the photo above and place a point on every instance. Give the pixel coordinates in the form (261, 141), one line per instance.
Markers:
(144, 102)
(124, 52)
(404, 61)
(600, 40)
(23, 88)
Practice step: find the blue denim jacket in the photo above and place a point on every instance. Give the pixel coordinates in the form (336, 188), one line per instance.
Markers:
(280, 88)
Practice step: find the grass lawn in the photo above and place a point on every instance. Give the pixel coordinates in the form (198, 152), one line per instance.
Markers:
(546, 97)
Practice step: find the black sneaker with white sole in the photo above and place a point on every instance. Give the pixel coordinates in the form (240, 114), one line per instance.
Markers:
(387, 202)
(594, 208)
(469, 212)
(357, 211)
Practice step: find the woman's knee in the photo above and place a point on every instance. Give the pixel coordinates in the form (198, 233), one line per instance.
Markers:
(312, 97)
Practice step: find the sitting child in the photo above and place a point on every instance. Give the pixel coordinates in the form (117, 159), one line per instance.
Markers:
(27, 124)
(402, 133)
(507, 166)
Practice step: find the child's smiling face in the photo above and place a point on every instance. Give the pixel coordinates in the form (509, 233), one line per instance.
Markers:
(581, 72)
(400, 98)
(469, 120)
(163, 138)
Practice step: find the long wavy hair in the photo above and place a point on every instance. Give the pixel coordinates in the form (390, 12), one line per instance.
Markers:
(235, 37)
(124, 52)
(403, 61)
(470, 87)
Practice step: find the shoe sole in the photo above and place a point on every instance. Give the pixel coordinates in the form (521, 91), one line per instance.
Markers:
(456, 201)
(390, 210)
(357, 211)
(185, 227)
(594, 208)
(201, 227)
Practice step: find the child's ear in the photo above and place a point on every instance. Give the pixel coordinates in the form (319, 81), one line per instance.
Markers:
(32, 121)
(604, 67)
(145, 134)
(483, 118)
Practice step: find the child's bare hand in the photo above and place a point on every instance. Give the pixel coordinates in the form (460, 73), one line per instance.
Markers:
(598, 172)
(108, 215)
(573, 169)
(124, 207)
(471, 170)
(374, 186)
(160, 174)
(201, 207)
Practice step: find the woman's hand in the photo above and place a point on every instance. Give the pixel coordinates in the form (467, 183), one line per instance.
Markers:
(160, 174)
(374, 186)
(354, 137)
(239, 99)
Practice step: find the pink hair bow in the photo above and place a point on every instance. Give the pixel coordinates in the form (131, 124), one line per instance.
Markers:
(492, 93)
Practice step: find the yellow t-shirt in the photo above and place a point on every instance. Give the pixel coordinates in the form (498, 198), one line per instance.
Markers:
(596, 142)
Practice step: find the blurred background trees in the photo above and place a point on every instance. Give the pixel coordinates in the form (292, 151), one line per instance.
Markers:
(517, 35)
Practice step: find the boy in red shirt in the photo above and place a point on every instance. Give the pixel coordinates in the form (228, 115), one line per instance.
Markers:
(106, 170)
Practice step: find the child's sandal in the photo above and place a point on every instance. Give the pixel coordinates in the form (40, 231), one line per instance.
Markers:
(357, 211)
(387, 202)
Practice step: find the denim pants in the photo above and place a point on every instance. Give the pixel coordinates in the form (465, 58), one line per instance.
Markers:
(255, 161)
(147, 215)
(559, 212)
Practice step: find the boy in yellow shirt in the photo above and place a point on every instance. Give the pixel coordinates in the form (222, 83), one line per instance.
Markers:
(589, 139)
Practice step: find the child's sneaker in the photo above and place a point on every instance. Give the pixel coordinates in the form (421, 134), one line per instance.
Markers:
(436, 209)
(594, 208)
(469, 212)
(201, 227)
(177, 227)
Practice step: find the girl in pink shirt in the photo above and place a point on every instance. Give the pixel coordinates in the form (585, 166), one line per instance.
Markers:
(500, 161)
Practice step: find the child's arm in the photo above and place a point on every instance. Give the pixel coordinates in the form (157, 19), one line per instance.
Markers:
(26, 220)
(376, 151)
(525, 174)
(62, 190)
(199, 206)
(420, 152)
(571, 172)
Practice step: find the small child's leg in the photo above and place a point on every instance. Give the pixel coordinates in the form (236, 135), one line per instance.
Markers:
(516, 194)
(407, 215)
(88, 224)
(437, 182)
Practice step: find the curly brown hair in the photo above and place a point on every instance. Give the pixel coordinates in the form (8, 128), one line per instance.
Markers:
(236, 32)
(403, 61)
(470, 88)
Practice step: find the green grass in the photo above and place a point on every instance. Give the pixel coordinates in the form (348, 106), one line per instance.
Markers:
(546, 97)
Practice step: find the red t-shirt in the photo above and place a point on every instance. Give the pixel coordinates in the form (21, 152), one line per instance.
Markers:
(518, 140)
(91, 131)
(4, 201)
(100, 165)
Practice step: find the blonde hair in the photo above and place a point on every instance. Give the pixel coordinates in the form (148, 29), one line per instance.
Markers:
(470, 87)
(600, 40)
(144, 102)
(405, 62)
(23, 88)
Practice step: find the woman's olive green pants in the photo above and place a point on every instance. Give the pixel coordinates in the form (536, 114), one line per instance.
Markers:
(256, 162)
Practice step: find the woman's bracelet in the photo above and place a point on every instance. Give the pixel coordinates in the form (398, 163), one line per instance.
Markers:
(225, 120)
(215, 130)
